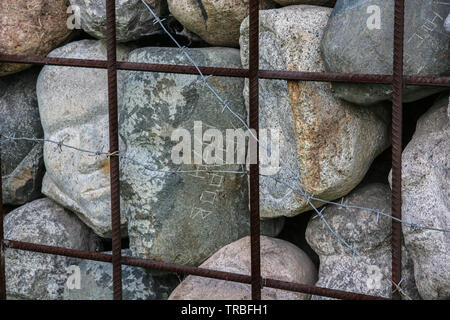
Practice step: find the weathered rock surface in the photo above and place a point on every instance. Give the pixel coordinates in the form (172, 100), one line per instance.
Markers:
(340, 268)
(425, 195)
(31, 27)
(359, 39)
(133, 19)
(447, 24)
(32, 275)
(328, 3)
(22, 161)
(215, 21)
(96, 283)
(327, 143)
(280, 260)
(181, 218)
(73, 104)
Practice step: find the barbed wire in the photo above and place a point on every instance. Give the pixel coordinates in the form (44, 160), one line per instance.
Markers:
(148, 167)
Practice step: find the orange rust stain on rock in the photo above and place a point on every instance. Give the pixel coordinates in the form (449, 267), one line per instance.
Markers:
(20, 180)
(105, 167)
(310, 176)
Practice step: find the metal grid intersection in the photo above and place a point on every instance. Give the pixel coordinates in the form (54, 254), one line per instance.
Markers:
(398, 80)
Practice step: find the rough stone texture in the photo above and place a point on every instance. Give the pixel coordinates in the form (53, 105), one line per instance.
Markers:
(133, 19)
(447, 24)
(22, 162)
(31, 27)
(181, 218)
(73, 103)
(215, 21)
(339, 268)
(327, 3)
(96, 283)
(280, 260)
(32, 275)
(327, 142)
(425, 195)
(349, 46)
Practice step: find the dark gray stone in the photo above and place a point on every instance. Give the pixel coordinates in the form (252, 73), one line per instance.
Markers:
(339, 267)
(31, 275)
(350, 46)
(22, 162)
(137, 284)
(133, 19)
(181, 218)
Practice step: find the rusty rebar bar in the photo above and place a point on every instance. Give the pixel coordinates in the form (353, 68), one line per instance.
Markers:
(2, 246)
(255, 245)
(195, 271)
(397, 113)
(114, 147)
(230, 72)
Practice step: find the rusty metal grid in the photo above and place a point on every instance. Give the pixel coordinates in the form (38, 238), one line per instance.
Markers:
(397, 79)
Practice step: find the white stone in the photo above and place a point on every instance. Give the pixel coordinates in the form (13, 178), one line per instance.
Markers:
(73, 104)
(280, 260)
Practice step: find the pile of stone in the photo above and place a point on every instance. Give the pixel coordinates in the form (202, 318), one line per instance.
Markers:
(327, 139)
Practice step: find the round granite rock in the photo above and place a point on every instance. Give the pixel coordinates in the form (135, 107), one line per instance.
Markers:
(359, 39)
(133, 19)
(39, 276)
(215, 21)
(31, 27)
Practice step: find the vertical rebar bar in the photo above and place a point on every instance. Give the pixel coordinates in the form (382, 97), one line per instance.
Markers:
(2, 245)
(397, 113)
(254, 168)
(114, 147)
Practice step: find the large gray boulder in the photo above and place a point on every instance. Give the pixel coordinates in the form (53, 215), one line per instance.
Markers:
(327, 143)
(137, 284)
(342, 269)
(280, 260)
(31, 275)
(215, 21)
(22, 162)
(73, 104)
(181, 218)
(133, 19)
(425, 196)
(359, 39)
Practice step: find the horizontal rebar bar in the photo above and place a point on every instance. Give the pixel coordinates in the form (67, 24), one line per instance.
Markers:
(195, 271)
(230, 72)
